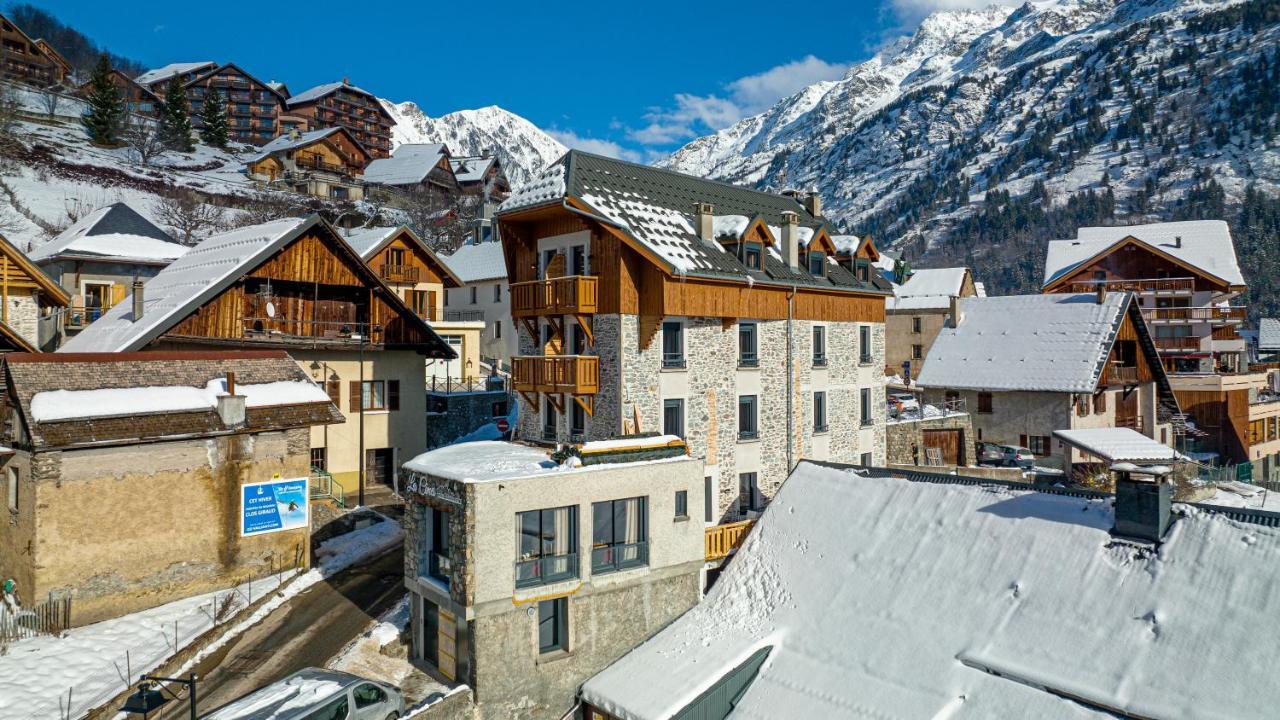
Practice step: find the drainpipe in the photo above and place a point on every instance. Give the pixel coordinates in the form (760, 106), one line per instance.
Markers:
(790, 370)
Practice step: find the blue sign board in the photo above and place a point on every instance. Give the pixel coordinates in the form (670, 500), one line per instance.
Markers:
(273, 506)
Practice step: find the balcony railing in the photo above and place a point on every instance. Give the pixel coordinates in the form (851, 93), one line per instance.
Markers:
(1187, 342)
(1133, 423)
(557, 296)
(1122, 375)
(286, 329)
(399, 273)
(314, 163)
(463, 315)
(722, 540)
(1195, 314)
(546, 570)
(81, 316)
(613, 558)
(1141, 285)
(576, 374)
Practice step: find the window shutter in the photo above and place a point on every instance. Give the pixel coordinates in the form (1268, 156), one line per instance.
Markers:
(393, 394)
(118, 293)
(1022, 440)
(354, 403)
(335, 392)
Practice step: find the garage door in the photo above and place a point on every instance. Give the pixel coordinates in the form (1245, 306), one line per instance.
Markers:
(948, 441)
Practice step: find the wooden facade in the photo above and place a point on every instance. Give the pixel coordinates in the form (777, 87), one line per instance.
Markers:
(349, 107)
(63, 69)
(23, 59)
(137, 99)
(1131, 260)
(253, 107)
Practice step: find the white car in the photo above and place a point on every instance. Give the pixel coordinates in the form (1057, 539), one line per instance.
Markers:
(902, 402)
(316, 694)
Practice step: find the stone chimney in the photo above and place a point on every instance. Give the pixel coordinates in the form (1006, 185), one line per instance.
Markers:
(791, 238)
(231, 407)
(137, 300)
(346, 80)
(1100, 292)
(1177, 241)
(705, 221)
(813, 203)
(1142, 503)
(953, 320)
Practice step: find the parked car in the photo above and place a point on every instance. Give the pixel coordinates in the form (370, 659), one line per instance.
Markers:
(316, 694)
(990, 454)
(1018, 456)
(901, 402)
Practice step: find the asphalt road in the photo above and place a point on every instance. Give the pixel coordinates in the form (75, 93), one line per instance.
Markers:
(307, 630)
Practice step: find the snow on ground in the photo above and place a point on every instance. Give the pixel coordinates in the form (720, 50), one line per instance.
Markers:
(1243, 495)
(92, 659)
(377, 655)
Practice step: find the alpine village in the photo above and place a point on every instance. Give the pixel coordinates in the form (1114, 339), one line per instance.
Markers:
(942, 386)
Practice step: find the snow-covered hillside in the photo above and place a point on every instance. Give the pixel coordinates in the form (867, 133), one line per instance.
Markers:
(522, 147)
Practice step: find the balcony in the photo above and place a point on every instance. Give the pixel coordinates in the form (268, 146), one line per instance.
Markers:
(546, 570)
(1159, 286)
(1234, 315)
(399, 273)
(722, 540)
(570, 295)
(574, 374)
(464, 315)
(1188, 343)
(1122, 375)
(288, 330)
(81, 315)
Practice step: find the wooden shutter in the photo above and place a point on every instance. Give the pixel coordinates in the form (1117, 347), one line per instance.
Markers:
(353, 404)
(335, 392)
(1022, 440)
(393, 394)
(118, 293)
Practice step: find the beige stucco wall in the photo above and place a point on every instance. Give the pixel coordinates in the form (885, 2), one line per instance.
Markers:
(899, 338)
(121, 529)
(497, 312)
(467, 365)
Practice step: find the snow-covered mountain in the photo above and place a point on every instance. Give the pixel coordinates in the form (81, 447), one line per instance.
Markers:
(522, 147)
(982, 134)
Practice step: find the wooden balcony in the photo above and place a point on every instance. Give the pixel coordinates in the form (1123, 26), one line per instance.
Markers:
(722, 540)
(1160, 286)
(1180, 344)
(572, 374)
(399, 273)
(1122, 375)
(570, 295)
(1233, 315)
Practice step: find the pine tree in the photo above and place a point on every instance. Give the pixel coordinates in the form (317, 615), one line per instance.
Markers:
(106, 110)
(214, 115)
(175, 122)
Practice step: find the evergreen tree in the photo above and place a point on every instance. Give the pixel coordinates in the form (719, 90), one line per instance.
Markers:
(175, 123)
(214, 115)
(106, 110)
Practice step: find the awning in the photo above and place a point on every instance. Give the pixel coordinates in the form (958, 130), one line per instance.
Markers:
(1115, 445)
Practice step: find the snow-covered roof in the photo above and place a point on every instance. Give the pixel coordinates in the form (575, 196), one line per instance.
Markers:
(1206, 245)
(53, 405)
(847, 244)
(471, 169)
(285, 143)
(161, 74)
(1118, 444)
(930, 289)
(320, 91)
(489, 460)
(409, 164)
(547, 187)
(884, 598)
(1055, 343)
(186, 283)
(366, 241)
(475, 262)
(113, 232)
(1269, 334)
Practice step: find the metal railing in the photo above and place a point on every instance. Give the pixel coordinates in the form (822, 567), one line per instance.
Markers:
(81, 316)
(399, 273)
(722, 540)
(578, 374)
(545, 570)
(612, 558)
(50, 617)
(322, 486)
(463, 315)
(1140, 285)
(484, 383)
(284, 328)
(555, 296)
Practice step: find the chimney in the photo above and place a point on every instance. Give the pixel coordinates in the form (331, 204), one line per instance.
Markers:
(705, 214)
(346, 80)
(231, 407)
(1177, 241)
(955, 317)
(813, 203)
(790, 238)
(137, 300)
(1142, 503)
(1100, 292)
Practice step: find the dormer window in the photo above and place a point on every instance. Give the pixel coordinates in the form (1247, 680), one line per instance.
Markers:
(817, 264)
(751, 255)
(864, 271)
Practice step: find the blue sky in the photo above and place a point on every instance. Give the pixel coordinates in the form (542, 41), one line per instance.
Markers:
(636, 79)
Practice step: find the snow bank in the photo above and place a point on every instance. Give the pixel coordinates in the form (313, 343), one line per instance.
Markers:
(55, 405)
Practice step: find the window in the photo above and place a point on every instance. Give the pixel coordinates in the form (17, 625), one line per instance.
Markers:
(819, 411)
(819, 345)
(446, 298)
(1100, 402)
(864, 344)
(1099, 275)
(817, 264)
(865, 401)
(553, 625)
(751, 256)
(473, 289)
(546, 546)
(497, 293)
(579, 339)
(916, 325)
(320, 458)
(11, 475)
(548, 420)
(619, 534)
(673, 417)
(917, 352)
(368, 694)
(682, 504)
(395, 257)
(864, 271)
(747, 429)
(672, 344)
(747, 353)
(433, 542)
(497, 329)
(749, 499)
(374, 395)
(984, 402)
(578, 260)
(336, 710)
(577, 421)
(866, 459)
(1037, 444)
(951, 400)
(422, 302)
(708, 499)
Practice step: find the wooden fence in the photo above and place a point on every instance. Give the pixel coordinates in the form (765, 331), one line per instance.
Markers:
(46, 618)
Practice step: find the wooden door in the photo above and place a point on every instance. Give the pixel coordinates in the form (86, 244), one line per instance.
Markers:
(948, 441)
(1127, 409)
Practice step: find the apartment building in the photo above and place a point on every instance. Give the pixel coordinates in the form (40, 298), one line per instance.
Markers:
(253, 106)
(652, 301)
(294, 284)
(23, 59)
(485, 297)
(323, 163)
(341, 104)
(157, 79)
(526, 577)
(917, 312)
(62, 72)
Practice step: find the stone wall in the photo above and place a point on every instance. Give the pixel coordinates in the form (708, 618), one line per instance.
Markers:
(24, 317)
(456, 414)
(904, 441)
(121, 529)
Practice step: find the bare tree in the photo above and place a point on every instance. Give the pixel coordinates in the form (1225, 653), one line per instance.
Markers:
(186, 214)
(50, 99)
(145, 139)
(441, 220)
(10, 110)
(265, 208)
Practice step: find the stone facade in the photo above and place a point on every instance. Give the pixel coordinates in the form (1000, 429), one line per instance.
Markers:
(24, 317)
(452, 415)
(904, 440)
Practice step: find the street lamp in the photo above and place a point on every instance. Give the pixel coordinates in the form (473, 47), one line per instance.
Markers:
(151, 695)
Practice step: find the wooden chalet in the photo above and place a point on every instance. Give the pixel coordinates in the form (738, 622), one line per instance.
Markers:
(137, 98)
(482, 175)
(341, 104)
(24, 59)
(415, 167)
(157, 79)
(253, 106)
(63, 70)
(31, 303)
(326, 163)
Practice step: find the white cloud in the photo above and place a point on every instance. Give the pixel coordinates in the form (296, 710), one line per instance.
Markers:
(598, 146)
(741, 98)
(909, 13)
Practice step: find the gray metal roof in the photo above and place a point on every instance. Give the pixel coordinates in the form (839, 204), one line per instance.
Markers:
(1269, 334)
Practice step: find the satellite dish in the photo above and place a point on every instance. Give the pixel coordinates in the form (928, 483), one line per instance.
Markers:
(271, 309)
